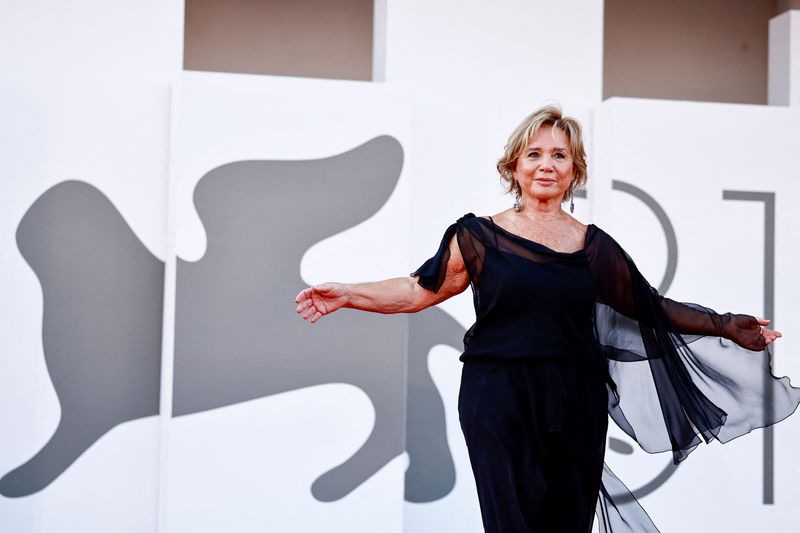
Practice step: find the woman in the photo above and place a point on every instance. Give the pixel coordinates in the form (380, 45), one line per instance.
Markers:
(567, 331)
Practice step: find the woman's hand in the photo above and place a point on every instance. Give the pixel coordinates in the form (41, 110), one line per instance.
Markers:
(320, 300)
(749, 332)
(769, 334)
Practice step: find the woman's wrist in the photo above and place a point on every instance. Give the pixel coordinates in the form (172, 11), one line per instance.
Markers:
(347, 292)
(346, 287)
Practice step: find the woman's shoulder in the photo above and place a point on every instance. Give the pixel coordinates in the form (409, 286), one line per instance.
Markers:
(479, 226)
(600, 242)
(470, 220)
(597, 231)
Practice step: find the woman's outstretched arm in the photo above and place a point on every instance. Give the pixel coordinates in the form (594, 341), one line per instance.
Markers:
(396, 295)
(745, 330)
(620, 285)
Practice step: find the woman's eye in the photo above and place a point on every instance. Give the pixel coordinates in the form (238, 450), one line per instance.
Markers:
(560, 155)
(534, 155)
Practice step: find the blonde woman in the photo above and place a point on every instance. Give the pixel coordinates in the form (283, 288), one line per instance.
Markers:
(566, 329)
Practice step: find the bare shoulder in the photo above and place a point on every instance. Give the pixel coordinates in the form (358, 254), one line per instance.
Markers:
(577, 224)
(579, 230)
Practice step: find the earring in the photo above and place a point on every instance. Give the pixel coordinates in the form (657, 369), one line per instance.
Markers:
(517, 207)
(571, 192)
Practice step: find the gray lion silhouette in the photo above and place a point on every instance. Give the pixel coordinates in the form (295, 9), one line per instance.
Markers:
(236, 335)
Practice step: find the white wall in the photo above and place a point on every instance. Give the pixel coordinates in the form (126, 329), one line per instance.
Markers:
(85, 96)
(784, 59)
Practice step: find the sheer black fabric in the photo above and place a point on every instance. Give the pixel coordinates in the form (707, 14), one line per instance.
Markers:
(715, 389)
(675, 373)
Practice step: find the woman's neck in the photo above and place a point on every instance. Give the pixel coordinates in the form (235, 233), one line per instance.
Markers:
(543, 210)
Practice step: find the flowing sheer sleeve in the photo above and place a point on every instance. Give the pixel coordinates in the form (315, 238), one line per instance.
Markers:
(667, 395)
(432, 273)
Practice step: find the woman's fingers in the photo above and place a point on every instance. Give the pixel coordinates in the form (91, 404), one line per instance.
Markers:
(302, 295)
(769, 340)
(771, 332)
(305, 304)
(770, 335)
(309, 312)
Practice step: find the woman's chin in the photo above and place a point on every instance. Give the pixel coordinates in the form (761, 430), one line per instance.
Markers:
(546, 195)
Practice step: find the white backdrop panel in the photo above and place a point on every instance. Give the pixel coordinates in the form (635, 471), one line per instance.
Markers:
(285, 440)
(83, 96)
(92, 40)
(81, 132)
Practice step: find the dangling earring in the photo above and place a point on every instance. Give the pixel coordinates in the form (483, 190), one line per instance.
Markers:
(516, 206)
(571, 192)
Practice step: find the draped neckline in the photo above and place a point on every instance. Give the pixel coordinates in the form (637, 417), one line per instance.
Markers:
(582, 250)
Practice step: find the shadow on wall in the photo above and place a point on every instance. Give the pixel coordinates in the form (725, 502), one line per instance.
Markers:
(237, 337)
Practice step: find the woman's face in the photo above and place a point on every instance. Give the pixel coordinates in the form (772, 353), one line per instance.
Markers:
(544, 169)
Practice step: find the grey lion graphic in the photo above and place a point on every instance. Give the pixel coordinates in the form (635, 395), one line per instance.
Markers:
(236, 336)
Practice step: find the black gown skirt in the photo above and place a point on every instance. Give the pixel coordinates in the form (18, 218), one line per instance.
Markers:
(535, 431)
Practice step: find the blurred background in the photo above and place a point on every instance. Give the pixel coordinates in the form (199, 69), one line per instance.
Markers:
(172, 173)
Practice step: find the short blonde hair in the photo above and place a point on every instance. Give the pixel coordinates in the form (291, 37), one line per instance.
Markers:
(545, 116)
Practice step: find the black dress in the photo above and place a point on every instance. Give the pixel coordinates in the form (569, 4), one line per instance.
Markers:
(560, 341)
